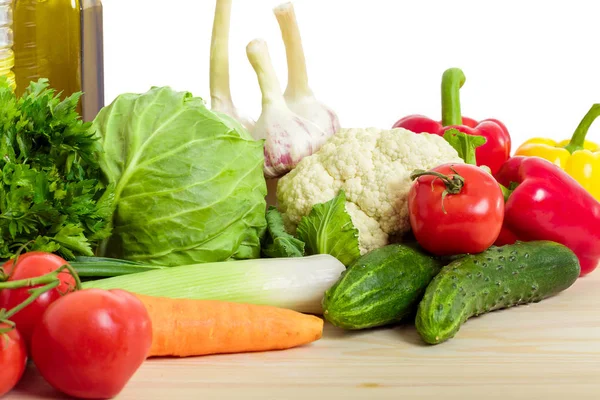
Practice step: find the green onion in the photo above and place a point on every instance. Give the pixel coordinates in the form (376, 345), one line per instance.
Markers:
(296, 283)
(100, 267)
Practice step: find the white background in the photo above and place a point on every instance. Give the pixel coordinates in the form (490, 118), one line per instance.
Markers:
(533, 64)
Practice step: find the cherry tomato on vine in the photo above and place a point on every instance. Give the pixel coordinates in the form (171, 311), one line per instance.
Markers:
(31, 265)
(13, 357)
(91, 342)
(455, 209)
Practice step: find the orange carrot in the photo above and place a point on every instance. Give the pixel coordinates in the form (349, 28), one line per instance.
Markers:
(183, 327)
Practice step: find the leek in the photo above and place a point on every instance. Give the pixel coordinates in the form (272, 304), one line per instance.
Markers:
(297, 283)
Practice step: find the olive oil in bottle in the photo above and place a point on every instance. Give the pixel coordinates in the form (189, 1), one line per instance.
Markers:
(61, 40)
(7, 58)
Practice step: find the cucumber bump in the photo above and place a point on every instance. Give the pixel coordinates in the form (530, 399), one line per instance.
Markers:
(498, 278)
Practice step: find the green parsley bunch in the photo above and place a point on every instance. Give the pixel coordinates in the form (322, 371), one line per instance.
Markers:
(52, 194)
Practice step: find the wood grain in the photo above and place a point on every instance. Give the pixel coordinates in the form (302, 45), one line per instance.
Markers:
(549, 350)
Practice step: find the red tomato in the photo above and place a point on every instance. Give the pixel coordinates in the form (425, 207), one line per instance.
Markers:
(91, 342)
(32, 265)
(13, 357)
(468, 221)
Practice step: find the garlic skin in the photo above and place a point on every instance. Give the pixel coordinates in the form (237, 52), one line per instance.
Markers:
(220, 92)
(298, 95)
(288, 137)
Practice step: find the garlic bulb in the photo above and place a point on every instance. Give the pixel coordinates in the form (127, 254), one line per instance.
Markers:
(298, 95)
(288, 137)
(220, 92)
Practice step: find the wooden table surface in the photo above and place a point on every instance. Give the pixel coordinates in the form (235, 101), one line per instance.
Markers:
(549, 350)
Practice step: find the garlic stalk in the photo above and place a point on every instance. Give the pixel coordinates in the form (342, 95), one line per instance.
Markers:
(220, 92)
(288, 137)
(298, 95)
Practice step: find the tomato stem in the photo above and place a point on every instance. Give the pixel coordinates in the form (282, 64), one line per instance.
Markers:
(3, 275)
(41, 280)
(34, 294)
(74, 274)
(10, 327)
(453, 183)
(21, 283)
(49, 282)
(16, 258)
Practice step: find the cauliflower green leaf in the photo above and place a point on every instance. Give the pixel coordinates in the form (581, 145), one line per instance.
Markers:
(279, 243)
(328, 229)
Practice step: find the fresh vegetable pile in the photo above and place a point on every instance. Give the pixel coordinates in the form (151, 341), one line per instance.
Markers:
(168, 228)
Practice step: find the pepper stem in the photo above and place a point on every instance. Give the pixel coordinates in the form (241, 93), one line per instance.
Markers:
(454, 183)
(578, 139)
(506, 192)
(452, 80)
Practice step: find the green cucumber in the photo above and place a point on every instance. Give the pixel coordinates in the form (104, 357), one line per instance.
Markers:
(380, 288)
(498, 278)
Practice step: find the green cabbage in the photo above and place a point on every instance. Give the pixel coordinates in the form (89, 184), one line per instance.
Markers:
(189, 181)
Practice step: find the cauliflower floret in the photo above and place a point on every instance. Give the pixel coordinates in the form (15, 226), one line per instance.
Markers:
(373, 167)
(371, 236)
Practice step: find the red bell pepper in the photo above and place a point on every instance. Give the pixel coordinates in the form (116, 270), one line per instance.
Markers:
(548, 204)
(497, 148)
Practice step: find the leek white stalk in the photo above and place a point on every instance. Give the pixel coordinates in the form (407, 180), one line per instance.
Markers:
(297, 283)
(220, 91)
(288, 137)
(298, 95)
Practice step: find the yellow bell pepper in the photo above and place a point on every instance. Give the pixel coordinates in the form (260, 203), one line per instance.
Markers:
(578, 157)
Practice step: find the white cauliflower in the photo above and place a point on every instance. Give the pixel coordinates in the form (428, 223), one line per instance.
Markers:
(373, 167)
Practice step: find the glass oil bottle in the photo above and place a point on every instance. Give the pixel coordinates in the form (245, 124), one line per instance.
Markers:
(7, 57)
(61, 40)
